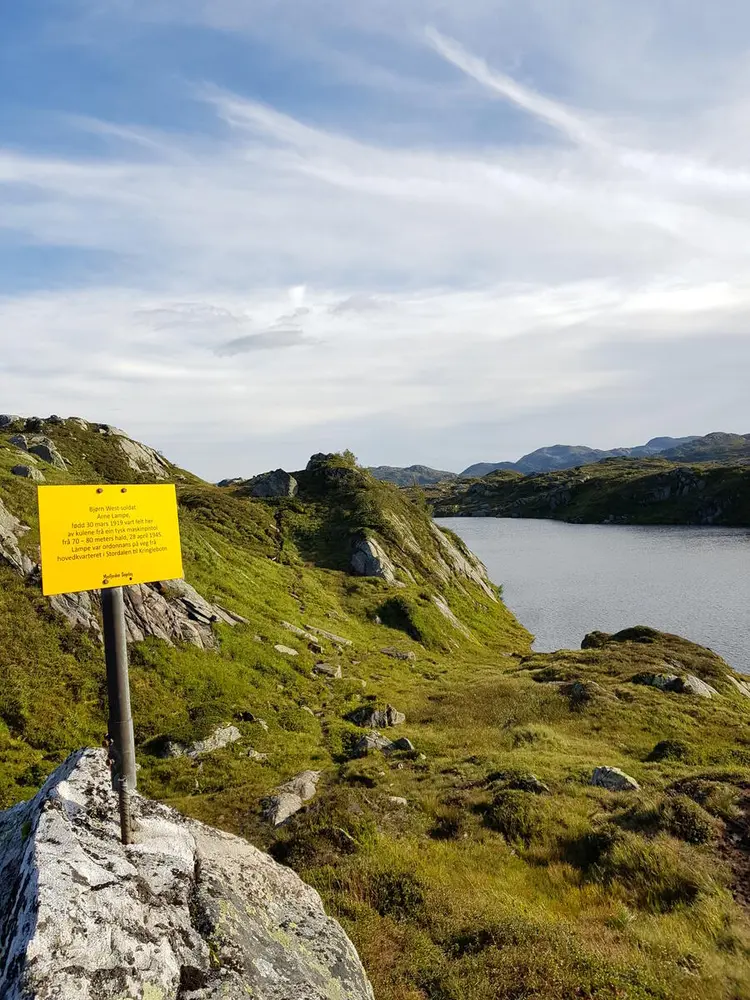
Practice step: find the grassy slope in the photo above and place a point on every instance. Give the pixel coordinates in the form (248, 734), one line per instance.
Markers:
(474, 889)
(627, 491)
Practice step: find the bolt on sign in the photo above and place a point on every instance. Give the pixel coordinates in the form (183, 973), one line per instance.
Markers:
(96, 537)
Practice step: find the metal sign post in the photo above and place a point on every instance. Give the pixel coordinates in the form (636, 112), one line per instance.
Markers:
(118, 691)
(98, 538)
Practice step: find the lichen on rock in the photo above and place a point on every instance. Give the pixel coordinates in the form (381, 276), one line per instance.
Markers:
(184, 911)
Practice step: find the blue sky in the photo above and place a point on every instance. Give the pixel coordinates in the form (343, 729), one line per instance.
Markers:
(429, 231)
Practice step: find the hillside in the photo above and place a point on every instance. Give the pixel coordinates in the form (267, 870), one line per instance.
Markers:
(412, 475)
(615, 491)
(339, 683)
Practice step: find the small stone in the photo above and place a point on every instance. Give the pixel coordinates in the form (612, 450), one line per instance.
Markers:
(520, 782)
(28, 472)
(216, 741)
(298, 631)
(286, 650)
(403, 744)
(397, 800)
(327, 670)
(306, 708)
(256, 755)
(614, 779)
(377, 718)
(372, 741)
(289, 798)
(331, 636)
(397, 654)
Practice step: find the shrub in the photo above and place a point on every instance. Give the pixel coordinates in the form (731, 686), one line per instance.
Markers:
(397, 894)
(519, 816)
(718, 798)
(660, 873)
(686, 820)
(294, 720)
(672, 750)
(452, 822)
(523, 736)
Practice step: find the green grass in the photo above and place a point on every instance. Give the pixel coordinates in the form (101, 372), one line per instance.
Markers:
(478, 888)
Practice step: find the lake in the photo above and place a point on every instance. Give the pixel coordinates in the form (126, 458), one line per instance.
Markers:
(564, 580)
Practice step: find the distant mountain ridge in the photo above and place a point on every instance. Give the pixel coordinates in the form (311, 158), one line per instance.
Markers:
(412, 475)
(565, 456)
(715, 447)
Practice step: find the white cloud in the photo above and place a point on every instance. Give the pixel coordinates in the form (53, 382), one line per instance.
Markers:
(278, 277)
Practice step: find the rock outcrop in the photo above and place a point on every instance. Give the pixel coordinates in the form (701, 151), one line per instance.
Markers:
(742, 686)
(139, 457)
(184, 912)
(11, 530)
(175, 612)
(41, 446)
(369, 558)
(273, 484)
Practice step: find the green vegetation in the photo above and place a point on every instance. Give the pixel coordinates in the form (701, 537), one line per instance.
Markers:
(506, 875)
(412, 475)
(614, 491)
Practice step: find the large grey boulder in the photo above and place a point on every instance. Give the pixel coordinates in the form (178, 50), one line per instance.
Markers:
(688, 684)
(369, 558)
(8, 419)
(289, 798)
(614, 779)
(184, 912)
(28, 472)
(274, 484)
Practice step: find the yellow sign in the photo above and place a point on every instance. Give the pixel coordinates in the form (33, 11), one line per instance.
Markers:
(107, 536)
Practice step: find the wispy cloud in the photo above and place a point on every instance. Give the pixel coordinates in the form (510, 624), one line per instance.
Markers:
(298, 264)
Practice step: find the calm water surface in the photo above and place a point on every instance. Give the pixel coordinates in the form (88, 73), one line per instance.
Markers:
(564, 580)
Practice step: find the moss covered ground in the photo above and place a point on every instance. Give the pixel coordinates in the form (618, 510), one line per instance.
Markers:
(505, 875)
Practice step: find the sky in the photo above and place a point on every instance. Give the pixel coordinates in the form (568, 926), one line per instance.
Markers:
(430, 231)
